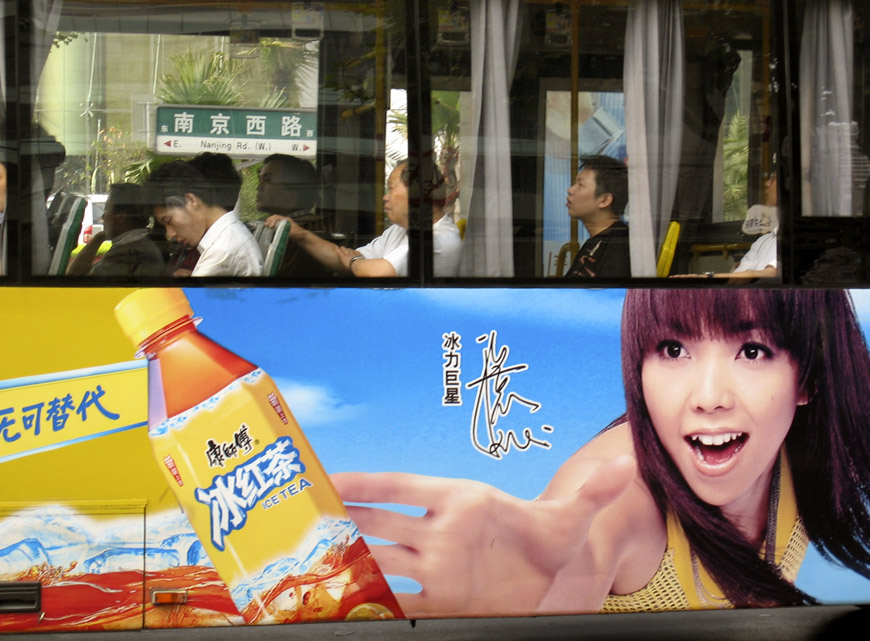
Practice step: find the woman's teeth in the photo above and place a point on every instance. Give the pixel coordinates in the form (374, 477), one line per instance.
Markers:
(716, 449)
(715, 439)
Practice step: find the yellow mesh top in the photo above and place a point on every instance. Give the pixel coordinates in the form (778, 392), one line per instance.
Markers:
(682, 583)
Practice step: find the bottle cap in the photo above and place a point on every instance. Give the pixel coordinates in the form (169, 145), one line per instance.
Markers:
(146, 311)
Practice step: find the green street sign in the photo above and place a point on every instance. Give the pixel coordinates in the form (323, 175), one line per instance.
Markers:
(238, 132)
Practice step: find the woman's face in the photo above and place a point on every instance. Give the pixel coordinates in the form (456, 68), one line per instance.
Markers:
(722, 409)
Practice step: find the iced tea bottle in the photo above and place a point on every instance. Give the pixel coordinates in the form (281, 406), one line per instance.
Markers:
(256, 495)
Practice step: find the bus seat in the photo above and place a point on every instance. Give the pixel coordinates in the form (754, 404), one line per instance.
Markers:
(274, 254)
(67, 218)
(262, 235)
(669, 248)
(566, 257)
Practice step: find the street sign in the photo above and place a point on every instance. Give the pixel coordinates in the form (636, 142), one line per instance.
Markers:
(239, 132)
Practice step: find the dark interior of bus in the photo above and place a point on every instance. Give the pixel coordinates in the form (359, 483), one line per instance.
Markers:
(389, 79)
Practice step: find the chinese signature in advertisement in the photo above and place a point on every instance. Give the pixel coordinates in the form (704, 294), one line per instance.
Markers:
(494, 402)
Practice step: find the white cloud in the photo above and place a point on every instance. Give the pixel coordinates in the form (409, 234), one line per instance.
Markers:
(313, 405)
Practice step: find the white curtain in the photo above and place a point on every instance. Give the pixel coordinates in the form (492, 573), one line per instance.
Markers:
(495, 41)
(654, 83)
(826, 108)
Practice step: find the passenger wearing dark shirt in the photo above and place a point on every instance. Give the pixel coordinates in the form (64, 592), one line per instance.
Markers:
(133, 253)
(597, 199)
(287, 190)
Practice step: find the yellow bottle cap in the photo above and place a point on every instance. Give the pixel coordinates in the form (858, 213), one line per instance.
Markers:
(146, 311)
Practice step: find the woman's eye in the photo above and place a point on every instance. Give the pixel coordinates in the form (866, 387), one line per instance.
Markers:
(671, 349)
(755, 351)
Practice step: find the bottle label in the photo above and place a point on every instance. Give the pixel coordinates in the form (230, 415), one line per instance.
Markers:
(231, 496)
(264, 509)
(217, 455)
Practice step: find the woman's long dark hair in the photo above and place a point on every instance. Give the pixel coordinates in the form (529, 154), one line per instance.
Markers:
(828, 445)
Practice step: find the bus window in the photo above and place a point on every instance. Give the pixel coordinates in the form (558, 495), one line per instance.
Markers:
(499, 115)
(296, 94)
(832, 237)
(697, 148)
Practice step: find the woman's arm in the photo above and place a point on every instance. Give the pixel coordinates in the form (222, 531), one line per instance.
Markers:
(478, 551)
(626, 541)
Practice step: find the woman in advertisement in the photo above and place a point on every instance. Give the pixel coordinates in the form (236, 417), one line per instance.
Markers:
(745, 438)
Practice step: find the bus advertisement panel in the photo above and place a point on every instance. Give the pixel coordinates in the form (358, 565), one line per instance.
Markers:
(463, 429)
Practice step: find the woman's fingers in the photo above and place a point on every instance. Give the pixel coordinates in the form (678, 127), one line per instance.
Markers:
(606, 485)
(388, 525)
(416, 606)
(397, 560)
(477, 549)
(564, 523)
(394, 487)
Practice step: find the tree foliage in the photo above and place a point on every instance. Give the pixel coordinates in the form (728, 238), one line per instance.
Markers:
(202, 80)
(736, 168)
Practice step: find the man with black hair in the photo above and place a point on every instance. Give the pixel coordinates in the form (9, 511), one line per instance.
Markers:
(226, 182)
(221, 174)
(287, 190)
(597, 199)
(125, 221)
(287, 187)
(187, 206)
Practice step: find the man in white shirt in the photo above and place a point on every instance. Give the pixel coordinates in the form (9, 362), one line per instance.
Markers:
(186, 205)
(387, 255)
(761, 259)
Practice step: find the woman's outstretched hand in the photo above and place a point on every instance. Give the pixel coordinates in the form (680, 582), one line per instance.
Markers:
(476, 550)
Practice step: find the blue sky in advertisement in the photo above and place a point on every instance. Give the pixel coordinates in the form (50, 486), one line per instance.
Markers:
(364, 373)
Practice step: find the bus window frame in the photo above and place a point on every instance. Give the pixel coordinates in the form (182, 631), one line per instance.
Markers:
(784, 32)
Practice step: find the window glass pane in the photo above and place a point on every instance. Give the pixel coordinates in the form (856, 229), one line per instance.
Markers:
(121, 88)
(124, 89)
(554, 83)
(831, 237)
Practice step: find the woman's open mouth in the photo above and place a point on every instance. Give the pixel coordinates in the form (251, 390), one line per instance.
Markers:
(716, 449)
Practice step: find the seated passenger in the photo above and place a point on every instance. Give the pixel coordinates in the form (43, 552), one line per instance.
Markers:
(761, 260)
(288, 189)
(220, 172)
(387, 255)
(125, 223)
(763, 217)
(191, 212)
(597, 199)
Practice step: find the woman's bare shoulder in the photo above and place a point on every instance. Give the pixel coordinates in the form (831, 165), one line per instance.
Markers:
(576, 470)
(629, 536)
(633, 515)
